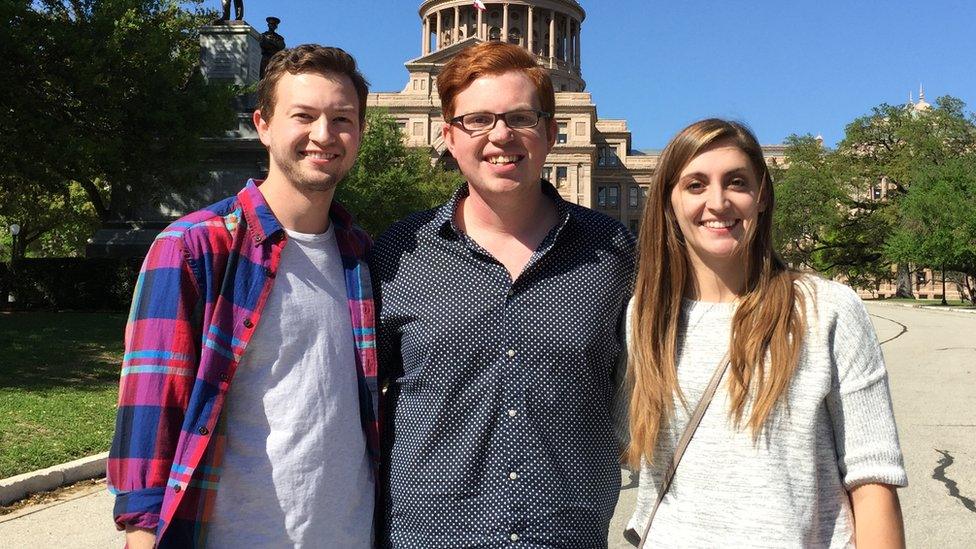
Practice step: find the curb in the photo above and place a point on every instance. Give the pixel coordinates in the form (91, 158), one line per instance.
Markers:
(937, 308)
(43, 480)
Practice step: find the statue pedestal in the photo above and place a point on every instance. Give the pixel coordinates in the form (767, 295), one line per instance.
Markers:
(230, 52)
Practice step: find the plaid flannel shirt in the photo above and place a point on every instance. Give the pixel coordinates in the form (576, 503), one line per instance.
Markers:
(197, 302)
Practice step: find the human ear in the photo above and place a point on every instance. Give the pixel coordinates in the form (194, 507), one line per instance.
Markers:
(261, 125)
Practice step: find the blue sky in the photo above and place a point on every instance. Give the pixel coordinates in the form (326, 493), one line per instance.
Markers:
(782, 67)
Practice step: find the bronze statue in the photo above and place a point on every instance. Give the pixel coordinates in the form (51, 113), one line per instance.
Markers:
(238, 10)
(271, 42)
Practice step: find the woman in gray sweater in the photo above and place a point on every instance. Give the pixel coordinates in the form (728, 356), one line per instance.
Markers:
(798, 447)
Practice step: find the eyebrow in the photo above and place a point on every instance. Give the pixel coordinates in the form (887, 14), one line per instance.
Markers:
(340, 108)
(737, 171)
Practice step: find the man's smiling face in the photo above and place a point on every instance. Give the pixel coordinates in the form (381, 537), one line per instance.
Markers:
(314, 134)
(501, 159)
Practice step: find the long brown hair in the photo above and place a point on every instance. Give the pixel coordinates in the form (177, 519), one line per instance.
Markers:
(767, 327)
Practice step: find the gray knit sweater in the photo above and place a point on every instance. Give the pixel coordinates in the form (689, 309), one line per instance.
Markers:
(836, 432)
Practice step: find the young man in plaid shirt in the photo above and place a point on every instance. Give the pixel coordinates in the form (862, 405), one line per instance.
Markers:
(247, 404)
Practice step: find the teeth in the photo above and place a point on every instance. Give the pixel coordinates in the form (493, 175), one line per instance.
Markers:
(321, 156)
(718, 224)
(503, 159)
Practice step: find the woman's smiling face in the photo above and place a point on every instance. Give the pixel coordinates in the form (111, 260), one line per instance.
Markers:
(716, 204)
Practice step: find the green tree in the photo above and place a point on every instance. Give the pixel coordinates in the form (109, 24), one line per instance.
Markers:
(104, 96)
(937, 220)
(807, 202)
(391, 180)
(885, 149)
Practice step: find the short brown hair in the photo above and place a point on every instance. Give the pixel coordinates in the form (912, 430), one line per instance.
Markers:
(492, 58)
(309, 58)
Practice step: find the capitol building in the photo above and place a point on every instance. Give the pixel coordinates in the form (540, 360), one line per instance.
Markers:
(593, 163)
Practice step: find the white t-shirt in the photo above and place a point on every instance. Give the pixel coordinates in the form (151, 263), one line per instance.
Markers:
(295, 469)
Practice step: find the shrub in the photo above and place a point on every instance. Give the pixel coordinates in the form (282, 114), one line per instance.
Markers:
(83, 284)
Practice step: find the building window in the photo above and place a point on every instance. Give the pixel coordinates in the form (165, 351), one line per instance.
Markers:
(633, 197)
(608, 157)
(920, 278)
(403, 128)
(547, 173)
(515, 36)
(562, 174)
(562, 136)
(633, 226)
(643, 191)
(607, 197)
(494, 33)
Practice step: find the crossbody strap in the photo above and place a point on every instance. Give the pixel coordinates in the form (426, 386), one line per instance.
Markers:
(679, 450)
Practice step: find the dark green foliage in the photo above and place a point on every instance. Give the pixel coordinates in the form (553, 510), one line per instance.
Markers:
(97, 284)
(390, 180)
(104, 108)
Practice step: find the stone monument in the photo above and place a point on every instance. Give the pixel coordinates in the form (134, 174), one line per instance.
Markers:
(230, 52)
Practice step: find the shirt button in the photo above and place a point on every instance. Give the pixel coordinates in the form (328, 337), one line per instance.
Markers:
(511, 352)
(513, 537)
(177, 488)
(203, 430)
(513, 412)
(248, 323)
(513, 475)
(223, 377)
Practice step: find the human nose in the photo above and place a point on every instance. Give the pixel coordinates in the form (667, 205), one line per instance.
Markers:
(500, 133)
(715, 198)
(321, 131)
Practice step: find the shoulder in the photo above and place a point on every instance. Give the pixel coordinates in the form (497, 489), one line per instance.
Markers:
(202, 230)
(830, 297)
(405, 234)
(602, 227)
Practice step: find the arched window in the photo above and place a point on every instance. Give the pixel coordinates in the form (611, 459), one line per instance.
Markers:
(494, 33)
(515, 36)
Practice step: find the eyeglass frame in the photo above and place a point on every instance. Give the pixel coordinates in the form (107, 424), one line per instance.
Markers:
(459, 120)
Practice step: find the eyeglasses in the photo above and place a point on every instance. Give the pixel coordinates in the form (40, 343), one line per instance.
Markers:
(485, 121)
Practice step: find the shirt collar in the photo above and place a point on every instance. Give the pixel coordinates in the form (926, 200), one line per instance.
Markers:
(263, 224)
(444, 220)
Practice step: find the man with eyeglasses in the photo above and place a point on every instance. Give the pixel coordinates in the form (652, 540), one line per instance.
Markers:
(499, 334)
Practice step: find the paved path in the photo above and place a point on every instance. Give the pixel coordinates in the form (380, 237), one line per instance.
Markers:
(931, 359)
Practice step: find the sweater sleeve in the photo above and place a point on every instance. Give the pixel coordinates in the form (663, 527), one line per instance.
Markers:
(859, 401)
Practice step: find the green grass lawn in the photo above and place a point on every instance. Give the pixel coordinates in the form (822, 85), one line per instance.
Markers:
(927, 302)
(59, 376)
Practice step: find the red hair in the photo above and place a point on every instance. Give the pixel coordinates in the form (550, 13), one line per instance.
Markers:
(488, 59)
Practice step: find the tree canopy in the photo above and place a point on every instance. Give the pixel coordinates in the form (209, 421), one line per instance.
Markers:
(105, 97)
(391, 180)
(892, 193)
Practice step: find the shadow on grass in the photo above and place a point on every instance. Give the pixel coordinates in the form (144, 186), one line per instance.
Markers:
(44, 350)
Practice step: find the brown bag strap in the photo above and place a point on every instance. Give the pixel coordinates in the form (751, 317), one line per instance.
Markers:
(679, 450)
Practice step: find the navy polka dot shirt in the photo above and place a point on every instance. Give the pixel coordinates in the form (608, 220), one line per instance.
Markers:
(504, 410)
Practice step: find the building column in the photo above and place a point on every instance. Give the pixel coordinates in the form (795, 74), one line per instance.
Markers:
(425, 43)
(481, 31)
(552, 36)
(530, 31)
(577, 52)
(505, 22)
(437, 39)
(457, 26)
(569, 39)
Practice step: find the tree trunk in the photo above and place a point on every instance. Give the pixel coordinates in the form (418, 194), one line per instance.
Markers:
(944, 302)
(904, 282)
